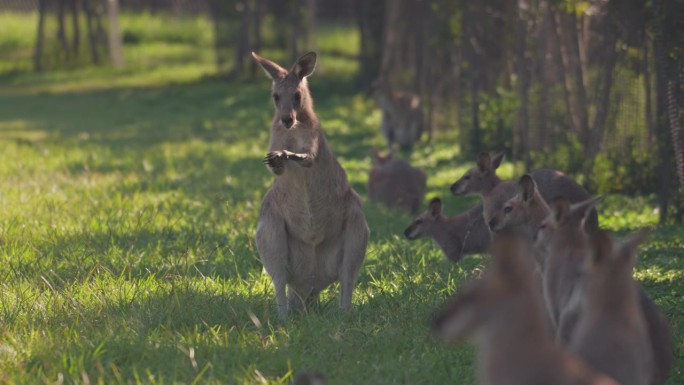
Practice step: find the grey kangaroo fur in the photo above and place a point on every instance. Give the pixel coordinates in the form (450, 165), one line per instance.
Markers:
(563, 244)
(393, 182)
(612, 334)
(503, 311)
(311, 231)
(457, 236)
(482, 180)
(402, 114)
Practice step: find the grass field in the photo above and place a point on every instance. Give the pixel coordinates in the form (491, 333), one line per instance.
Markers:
(128, 205)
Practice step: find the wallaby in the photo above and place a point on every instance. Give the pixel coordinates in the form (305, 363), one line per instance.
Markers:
(402, 114)
(503, 312)
(395, 183)
(524, 212)
(612, 335)
(457, 236)
(482, 180)
(564, 246)
(311, 231)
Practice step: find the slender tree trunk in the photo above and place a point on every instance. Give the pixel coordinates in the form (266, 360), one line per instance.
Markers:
(240, 49)
(647, 85)
(40, 39)
(522, 69)
(61, 30)
(370, 20)
(114, 35)
(76, 42)
(257, 15)
(565, 71)
(92, 38)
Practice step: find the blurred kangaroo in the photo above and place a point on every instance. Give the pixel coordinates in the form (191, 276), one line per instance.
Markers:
(395, 183)
(457, 236)
(310, 379)
(524, 212)
(612, 334)
(503, 311)
(402, 114)
(482, 180)
(564, 246)
(311, 231)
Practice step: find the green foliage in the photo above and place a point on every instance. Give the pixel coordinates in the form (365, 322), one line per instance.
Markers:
(128, 205)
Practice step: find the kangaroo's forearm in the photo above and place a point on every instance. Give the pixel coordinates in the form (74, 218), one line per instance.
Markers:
(304, 159)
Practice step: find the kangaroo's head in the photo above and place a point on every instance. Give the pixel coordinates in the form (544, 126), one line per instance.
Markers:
(488, 300)
(610, 263)
(291, 96)
(481, 178)
(422, 225)
(524, 212)
(381, 159)
(565, 223)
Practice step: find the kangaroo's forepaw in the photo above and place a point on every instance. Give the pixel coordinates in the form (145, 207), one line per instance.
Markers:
(275, 160)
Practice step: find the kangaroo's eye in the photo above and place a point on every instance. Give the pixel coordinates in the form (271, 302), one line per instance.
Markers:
(297, 97)
(419, 221)
(276, 98)
(507, 209)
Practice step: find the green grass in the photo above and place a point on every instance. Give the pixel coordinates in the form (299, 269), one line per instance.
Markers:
(128, 205)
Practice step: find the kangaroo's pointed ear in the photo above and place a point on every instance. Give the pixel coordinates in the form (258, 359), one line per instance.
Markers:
(305, 65)
(484, 161)
(560, 209)
(602, 247)
(497, 159)
(273, 70)
(582, 209)
(527, 187)
(629, 245)
(435, 207)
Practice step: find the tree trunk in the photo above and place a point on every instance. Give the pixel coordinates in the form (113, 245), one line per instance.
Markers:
(40, 39)
(61, 30)
(257, 15)
(242, 43)
(92, 38)
(114, 34)
(370, 21)
(521, 138)
(76, 39)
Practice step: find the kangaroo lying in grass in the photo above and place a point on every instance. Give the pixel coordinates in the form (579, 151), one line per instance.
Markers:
(395, 183)
(482, 180)
(311, 231)
(457, 236)
(503, 312)
(612, 334)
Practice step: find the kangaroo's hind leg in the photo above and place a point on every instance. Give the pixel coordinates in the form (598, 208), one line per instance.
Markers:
(355, 240)
(271, 242)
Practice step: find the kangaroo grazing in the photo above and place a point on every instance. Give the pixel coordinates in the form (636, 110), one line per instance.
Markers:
(482, 180)
(311, 230)
(612, 335)
(503, 311)
(402, 114)
(395, 183)
(457, 236)
(563, 244)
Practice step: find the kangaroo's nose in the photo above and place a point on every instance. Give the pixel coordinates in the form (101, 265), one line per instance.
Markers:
(492, 224)
(453, 188)
(287, 121)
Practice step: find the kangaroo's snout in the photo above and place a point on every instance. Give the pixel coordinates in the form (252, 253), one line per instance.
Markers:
(408, 233)
(287, 121)
(455, 188)
(492, 223)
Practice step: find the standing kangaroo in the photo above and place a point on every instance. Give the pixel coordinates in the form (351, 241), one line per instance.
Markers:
(457, 236)
(311, 231)
(612, 334)
(503, 311)
(482, 180)
(402, 114)
(395, 183)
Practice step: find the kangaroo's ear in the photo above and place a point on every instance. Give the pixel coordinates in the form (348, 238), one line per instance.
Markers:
(560, 209)
(582, 209)
(435, 207)
(484, 161)
(629, 245)
(602, 247)
(497, 159)
(273, 70)
(305, 65)
(527, 187)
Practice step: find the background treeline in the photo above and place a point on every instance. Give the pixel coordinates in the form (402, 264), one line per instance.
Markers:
(594, 88)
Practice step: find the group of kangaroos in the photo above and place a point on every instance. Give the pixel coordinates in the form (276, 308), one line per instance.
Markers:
(557, 303)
